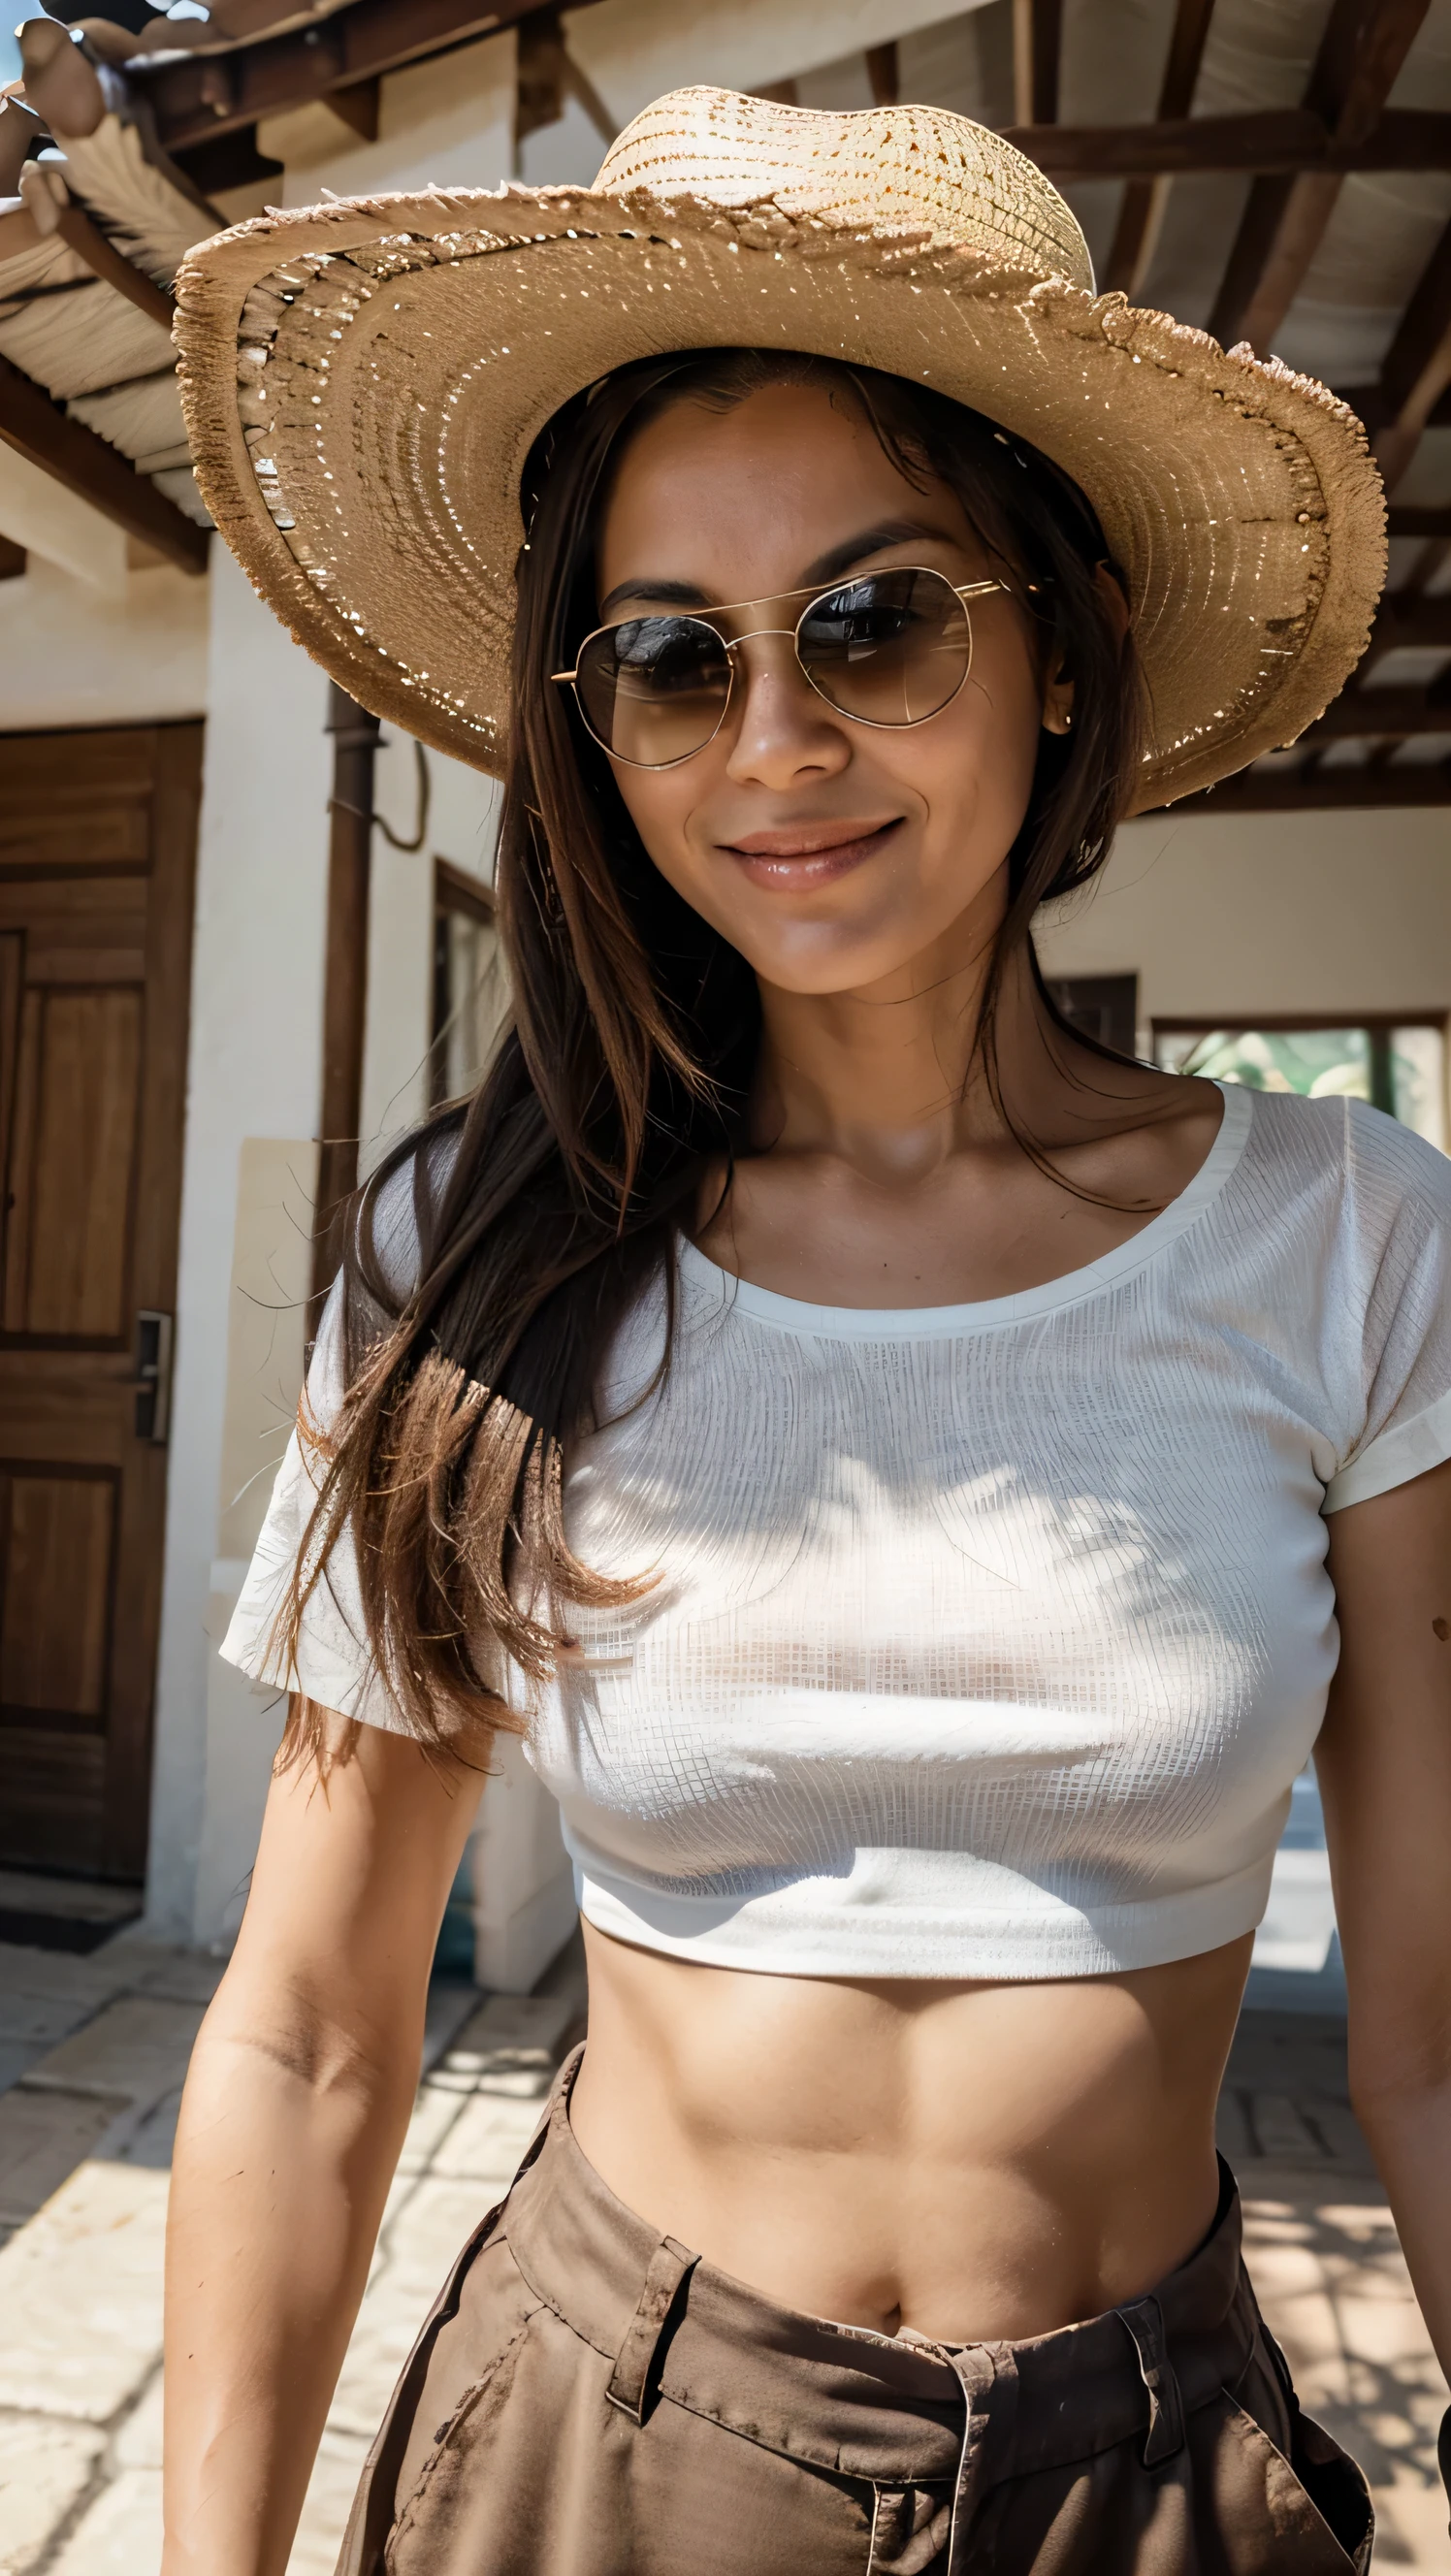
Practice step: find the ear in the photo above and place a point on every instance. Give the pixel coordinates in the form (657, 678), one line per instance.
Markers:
(1058, 691)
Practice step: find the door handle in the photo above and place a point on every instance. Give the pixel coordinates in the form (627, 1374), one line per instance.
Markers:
(153, 1375)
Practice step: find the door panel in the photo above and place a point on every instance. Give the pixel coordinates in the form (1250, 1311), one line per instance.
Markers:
(69, 1274)
(97, 836)
(58, 1534)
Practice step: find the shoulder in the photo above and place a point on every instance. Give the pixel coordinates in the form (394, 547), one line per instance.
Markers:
(1364, 1196)
(1348, 1146)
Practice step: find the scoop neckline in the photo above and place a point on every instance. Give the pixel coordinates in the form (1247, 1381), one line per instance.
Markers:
(924, 1323)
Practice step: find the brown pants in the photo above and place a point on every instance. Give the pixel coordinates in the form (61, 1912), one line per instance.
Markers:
(589, 2399)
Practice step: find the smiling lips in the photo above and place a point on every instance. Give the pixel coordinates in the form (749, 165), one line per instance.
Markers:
(810, 854)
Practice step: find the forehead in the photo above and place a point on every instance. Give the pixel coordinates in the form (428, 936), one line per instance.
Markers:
(772, 483)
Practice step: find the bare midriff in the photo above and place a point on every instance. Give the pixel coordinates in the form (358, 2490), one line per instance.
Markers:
(971, 2161)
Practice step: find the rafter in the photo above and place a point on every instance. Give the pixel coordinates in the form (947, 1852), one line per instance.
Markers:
(884, 73)
(1142, 211)
(1409, 619)
(1412, 519)
(1386, 715)
(1037, 59)
(205, 95)
(1361, 53)
(1417, 367)
(1288, 791)
(37, 428)
(1287, 140)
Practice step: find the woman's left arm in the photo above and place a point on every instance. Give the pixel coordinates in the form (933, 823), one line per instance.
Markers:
(1384, 1760)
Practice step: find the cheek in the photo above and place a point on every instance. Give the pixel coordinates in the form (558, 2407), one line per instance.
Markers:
(660, 807)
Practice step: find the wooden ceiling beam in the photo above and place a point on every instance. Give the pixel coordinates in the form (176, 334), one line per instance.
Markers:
(1385, 715)
(1289, 791)
(37, 428)
(1142, 210)
(1288, 141)
(1413, 519)
(1037, 60)
(210, 94)
(1416, 371)
(1410, 620)
(884, 73)
(1361, 53)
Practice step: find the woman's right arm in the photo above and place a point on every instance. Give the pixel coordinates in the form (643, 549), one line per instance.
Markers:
(294, 2112)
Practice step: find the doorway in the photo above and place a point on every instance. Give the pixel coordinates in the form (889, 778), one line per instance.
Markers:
(97, 865)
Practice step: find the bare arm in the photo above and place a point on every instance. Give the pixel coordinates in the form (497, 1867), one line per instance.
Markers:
(1384, 1761)
(294, 2112)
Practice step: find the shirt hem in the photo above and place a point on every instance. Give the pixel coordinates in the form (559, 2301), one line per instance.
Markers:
(1395, 1457)
(903, 1943)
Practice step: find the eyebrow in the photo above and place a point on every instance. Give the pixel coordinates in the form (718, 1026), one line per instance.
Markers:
(826, 568)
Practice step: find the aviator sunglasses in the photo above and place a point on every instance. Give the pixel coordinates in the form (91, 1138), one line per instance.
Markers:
(885, 648)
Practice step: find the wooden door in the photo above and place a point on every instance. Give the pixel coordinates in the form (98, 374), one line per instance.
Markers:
(97, 855)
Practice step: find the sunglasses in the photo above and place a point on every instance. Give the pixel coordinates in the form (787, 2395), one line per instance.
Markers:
(885, 648)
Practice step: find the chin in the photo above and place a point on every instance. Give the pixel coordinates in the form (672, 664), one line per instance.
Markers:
(827, 965)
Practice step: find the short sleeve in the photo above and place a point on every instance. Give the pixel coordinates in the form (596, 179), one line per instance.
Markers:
(331, 1661)
(1399, 1207)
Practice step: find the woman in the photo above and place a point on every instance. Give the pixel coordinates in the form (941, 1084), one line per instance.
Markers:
(901, 1465)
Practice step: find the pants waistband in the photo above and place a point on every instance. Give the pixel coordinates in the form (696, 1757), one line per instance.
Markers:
(889, 2409)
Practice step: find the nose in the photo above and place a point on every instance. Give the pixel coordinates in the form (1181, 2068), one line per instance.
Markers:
(781, 731)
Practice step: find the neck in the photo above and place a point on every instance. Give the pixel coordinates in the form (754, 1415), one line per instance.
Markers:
(888, 1075)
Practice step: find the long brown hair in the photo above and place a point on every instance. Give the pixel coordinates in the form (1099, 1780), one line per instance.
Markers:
(543, 1204)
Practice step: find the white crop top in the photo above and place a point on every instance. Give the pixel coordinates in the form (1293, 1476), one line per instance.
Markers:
(987, 1640)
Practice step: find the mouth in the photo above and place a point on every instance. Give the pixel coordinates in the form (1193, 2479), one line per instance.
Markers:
(810, 854)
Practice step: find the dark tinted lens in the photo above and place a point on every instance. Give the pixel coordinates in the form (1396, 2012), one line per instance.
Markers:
(654, 689)
(891, 647)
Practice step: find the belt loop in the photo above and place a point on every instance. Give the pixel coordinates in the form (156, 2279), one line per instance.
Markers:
(1165, 2437)
(988, 2374)
(669, 2265)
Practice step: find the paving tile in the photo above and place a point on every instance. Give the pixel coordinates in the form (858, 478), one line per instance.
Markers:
(120, 2534)
(1281, 2130)
(152, 1968)
(421, 2241)
(44, 2470)
(153, 2139)
(329, 2502)
(509, 2046)
(40, 2019)
(1410, 2525)
(451, 2002)
(137, 2049)
(1334, 2287)
(15, 2057)
(80, 2292)
(434, 2113)
(383, 2338)
(86, 1982)
(43, 2137)
(487, 2141)
(138, 2443)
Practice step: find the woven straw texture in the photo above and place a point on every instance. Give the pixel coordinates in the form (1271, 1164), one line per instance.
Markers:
(364, 379)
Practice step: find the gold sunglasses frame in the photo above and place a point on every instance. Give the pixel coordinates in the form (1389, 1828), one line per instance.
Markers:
(813, 594)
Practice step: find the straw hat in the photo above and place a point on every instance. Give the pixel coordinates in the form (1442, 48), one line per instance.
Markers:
(363, 381)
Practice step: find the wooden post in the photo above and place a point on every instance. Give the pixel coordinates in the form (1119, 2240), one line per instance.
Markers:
(345, 982)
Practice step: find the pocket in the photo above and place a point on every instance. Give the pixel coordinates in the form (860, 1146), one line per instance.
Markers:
(1306, 2514)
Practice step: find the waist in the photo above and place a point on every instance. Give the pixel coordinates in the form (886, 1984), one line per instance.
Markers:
(961, 2159)
(853, 2399)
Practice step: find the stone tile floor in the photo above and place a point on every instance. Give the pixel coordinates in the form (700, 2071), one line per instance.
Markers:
(94, 2050)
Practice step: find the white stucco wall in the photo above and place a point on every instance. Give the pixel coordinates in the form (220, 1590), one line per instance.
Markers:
(254, 1072)
(75, 653)
(1319, 911)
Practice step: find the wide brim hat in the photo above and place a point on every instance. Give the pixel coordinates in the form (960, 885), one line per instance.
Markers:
(363, 381)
